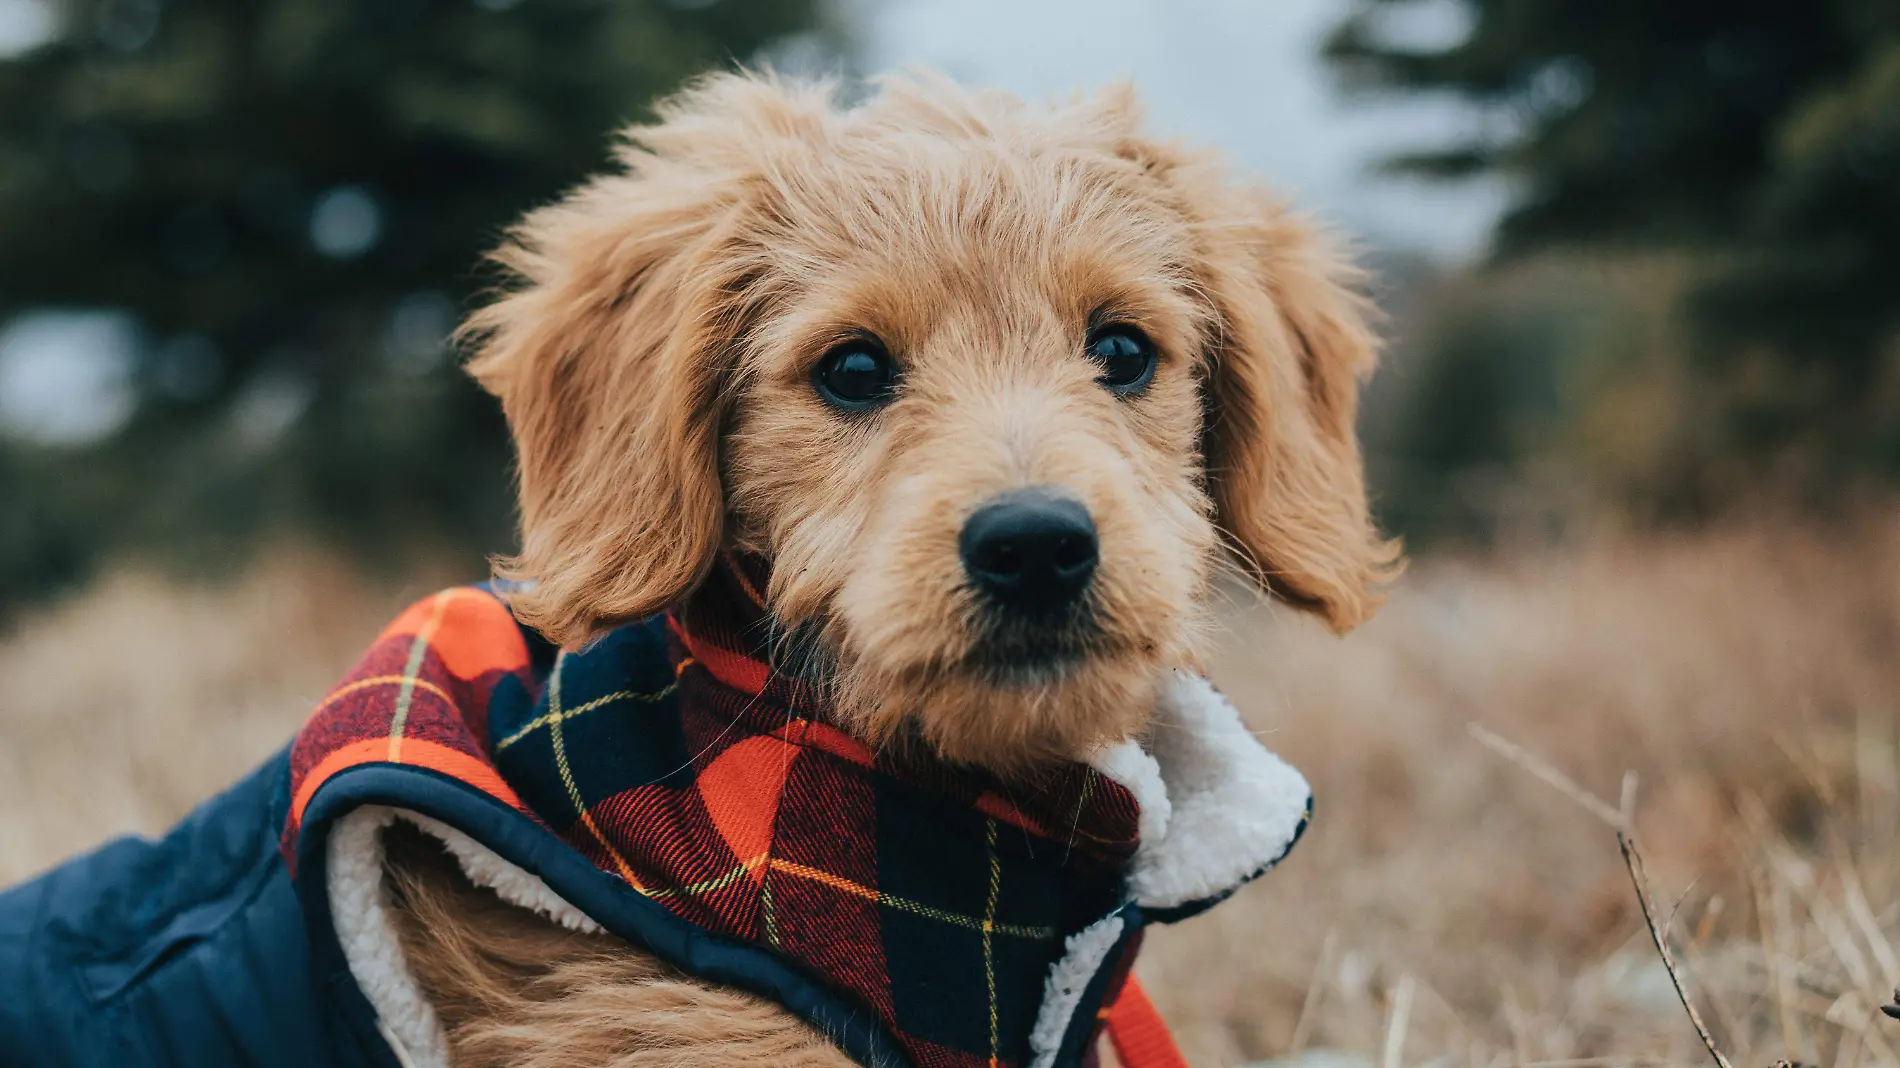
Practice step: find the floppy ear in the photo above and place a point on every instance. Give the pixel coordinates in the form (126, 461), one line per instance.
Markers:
(1291, 346)
(610, 358)
(1282, 444)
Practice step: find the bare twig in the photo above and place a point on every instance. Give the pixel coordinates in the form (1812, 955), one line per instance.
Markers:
(1621, 818)
(1639, 878)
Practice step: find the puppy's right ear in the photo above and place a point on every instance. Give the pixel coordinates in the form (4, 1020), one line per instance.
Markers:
(611, 354)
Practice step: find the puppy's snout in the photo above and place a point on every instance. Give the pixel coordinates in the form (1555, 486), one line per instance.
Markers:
(1030, 551)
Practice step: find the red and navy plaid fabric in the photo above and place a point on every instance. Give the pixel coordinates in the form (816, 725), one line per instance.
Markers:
(933, 897)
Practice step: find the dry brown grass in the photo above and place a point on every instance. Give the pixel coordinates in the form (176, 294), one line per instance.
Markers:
(1446, 908)
(123, 707)
(1750, 679)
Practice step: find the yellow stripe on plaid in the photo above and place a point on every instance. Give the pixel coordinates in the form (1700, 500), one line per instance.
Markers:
(418, 650)
(567, 775)
(768, 913)
(915, 907)
(551, 718)
(704, 886)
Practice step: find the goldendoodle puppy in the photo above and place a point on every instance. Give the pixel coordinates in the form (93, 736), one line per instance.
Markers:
(987, 388)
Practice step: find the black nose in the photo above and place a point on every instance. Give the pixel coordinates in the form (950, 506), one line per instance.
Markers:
(1030, 550)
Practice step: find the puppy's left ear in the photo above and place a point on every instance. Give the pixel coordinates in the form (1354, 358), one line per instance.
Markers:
(1291, 346)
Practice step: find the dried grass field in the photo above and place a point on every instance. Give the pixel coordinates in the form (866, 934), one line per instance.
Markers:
(1446, 908)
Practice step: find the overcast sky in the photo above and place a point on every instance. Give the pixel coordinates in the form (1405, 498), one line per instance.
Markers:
(1241, 74)
(1244, 75)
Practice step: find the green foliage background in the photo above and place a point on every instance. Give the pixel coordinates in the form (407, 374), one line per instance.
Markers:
(1740, 160)
(1690, 307)
(173, 159)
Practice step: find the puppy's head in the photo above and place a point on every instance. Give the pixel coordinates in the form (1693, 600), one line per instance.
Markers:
(991, 387)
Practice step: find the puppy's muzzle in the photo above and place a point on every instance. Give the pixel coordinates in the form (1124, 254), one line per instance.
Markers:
(1030, 552)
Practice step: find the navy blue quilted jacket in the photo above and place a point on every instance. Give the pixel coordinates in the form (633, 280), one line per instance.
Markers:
(189, 950)
(201, 949)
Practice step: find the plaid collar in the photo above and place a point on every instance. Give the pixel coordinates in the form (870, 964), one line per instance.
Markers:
(674, 788)
(932, 896)
(933, 900)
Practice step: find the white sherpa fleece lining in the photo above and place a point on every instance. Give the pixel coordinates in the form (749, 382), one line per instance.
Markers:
(1082, 956)
(1231, 808)
(1216, 808)
(360, 912)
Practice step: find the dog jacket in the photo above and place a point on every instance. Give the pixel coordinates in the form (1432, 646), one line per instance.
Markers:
(666, 785)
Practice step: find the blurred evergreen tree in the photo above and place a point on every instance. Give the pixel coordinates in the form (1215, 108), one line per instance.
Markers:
(1760, 136)
(292, 197)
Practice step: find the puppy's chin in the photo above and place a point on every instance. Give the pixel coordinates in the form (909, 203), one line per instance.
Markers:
(1002, 710)
(1012, 654)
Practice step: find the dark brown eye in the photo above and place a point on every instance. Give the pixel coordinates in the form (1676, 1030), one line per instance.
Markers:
(1127, 357)
(856, 376)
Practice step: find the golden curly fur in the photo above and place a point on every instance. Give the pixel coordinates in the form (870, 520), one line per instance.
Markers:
(654, 360)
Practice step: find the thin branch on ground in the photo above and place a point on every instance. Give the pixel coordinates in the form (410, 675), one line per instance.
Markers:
(1633, 860)
(1621, 818)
